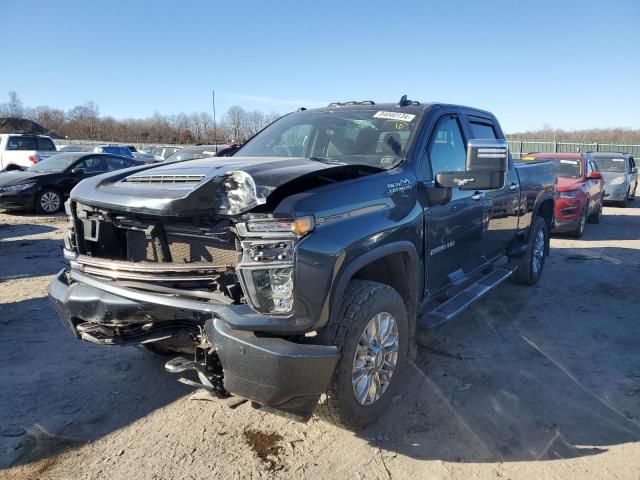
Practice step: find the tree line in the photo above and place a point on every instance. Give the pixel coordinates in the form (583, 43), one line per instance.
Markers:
(591, 135)
(84, 122)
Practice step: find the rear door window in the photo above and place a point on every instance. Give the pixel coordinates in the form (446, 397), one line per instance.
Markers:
(46, 145)
(21, 143)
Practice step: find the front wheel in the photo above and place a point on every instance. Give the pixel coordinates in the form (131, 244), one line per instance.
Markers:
(48, 201)
(528, 268)
(372, 336)
(596, 216)
(579, 231)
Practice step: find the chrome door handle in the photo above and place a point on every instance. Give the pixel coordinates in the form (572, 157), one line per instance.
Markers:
(513, 186)
(478, 196)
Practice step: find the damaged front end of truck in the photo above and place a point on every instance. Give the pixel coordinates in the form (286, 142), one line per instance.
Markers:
(198, 260)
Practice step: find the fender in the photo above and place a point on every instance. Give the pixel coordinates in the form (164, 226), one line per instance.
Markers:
(414, 277)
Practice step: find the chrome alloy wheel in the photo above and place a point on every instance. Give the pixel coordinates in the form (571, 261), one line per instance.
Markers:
(50, 202)
(538, 251)
(375, 358)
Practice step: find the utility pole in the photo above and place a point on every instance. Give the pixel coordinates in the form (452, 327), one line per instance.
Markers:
(215, 130)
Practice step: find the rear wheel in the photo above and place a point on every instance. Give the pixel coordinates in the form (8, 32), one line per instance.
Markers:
(372, 336)
(529, 266)
(48, 201)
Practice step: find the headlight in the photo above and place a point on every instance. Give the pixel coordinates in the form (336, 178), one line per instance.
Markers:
(19, 188)
(569, 194)
(300, 226)
(270, 290)
(617, 181)
(267, 267)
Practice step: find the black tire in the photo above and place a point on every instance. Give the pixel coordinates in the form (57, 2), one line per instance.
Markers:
(632, 197)
(363, 300)
(596, 216)
(49, 201)
(579, 231)
(525, 273)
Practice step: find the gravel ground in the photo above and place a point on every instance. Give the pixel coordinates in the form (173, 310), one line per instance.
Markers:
(539, 382)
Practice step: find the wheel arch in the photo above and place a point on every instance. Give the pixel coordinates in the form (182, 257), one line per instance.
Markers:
(397, 265)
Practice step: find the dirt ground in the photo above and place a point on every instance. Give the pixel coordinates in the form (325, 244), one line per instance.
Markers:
(530, 383)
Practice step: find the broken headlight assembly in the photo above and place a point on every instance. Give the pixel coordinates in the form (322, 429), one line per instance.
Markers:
(267, 267)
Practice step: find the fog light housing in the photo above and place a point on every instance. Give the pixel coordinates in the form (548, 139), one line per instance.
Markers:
(271, 289)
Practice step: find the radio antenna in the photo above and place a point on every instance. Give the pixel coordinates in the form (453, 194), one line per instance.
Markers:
(215, 130)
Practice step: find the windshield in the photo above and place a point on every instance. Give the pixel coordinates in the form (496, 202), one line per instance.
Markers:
(192, 153)
(55, 163)
(356, 137)
(566, 167)
(610, 164)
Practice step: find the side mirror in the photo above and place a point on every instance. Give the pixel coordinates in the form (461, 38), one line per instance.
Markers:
(78, 171)
(634, 170)
(486, 167)
(594, 176)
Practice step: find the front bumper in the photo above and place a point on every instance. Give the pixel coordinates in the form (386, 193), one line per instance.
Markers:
(568, 213)
(617, 194)
(17, 200)
(278, 374)
(271, 371)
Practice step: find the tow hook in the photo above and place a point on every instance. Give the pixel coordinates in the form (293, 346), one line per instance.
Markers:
(207, 366)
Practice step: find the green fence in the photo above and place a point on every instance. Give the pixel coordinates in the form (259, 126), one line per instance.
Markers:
(520, 147)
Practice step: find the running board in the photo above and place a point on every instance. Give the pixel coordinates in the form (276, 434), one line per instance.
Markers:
(458, 303)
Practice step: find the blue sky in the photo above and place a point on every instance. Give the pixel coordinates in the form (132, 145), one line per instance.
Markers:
(568, 64)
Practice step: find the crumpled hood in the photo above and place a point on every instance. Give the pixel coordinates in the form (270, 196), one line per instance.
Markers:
(224, 185)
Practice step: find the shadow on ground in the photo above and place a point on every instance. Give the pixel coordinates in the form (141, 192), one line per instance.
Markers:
(536, 373)
(23, 258)
(59, 392)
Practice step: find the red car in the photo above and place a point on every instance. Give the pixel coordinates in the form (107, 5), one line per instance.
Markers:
(580, 191)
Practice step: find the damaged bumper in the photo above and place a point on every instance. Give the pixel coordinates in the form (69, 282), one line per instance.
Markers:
(272, 372)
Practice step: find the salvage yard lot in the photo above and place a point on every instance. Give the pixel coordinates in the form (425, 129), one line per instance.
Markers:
(539, 382)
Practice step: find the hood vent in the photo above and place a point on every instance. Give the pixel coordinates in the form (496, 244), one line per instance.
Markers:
(182, 179)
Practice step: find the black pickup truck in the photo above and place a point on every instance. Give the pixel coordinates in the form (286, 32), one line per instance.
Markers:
(296, 272)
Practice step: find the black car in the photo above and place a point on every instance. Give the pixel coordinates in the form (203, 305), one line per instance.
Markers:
(44, 186)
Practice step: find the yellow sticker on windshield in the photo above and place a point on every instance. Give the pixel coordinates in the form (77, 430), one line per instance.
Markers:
(400, 125)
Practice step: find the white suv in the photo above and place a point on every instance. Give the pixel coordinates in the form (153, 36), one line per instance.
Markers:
(20, 151)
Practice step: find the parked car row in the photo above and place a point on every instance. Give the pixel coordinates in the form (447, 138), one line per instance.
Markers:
(36, 176)
(46, 185)
(585, 182)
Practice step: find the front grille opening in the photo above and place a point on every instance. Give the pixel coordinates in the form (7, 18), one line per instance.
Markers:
(198, 253)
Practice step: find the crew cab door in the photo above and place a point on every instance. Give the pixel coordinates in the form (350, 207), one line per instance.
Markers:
(453, 230)
(501, 203)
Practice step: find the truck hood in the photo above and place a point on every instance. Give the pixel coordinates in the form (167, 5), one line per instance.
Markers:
(221, 185)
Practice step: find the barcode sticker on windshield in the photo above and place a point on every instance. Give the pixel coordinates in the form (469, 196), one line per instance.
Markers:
(618, 159)
(572, 162)
(404, 117)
